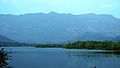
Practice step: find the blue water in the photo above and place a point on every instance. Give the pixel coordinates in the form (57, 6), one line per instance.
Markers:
(30, 57)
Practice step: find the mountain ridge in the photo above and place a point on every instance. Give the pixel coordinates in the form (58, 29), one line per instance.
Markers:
(52, 12)
(54, 27)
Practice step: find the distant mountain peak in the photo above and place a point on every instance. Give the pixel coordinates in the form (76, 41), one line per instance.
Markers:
(53, 12)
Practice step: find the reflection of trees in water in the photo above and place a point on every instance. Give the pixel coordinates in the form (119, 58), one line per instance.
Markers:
(4, 56)
(93, 54)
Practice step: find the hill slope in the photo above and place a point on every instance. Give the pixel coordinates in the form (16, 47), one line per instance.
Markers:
(5, 39)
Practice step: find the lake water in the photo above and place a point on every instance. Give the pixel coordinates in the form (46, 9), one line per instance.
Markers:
(30, 57)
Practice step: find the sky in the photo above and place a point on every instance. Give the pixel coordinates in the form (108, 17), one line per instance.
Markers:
(18, 7)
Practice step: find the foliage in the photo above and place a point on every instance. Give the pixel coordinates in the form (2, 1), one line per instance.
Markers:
(104, 45)
(48, 45)
(3, 59)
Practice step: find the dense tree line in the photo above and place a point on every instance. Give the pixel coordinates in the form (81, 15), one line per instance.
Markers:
(104, 45)
(49, 45)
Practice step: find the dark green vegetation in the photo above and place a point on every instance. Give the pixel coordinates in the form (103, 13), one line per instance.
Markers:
(4, 56)
(102, 45)
(49, 45)
(98, 45)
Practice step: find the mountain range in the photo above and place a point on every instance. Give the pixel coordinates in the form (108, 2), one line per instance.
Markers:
(56, 28)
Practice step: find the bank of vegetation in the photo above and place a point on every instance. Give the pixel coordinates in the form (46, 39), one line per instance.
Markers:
(49, 46)
(103, 45)
(98, 45)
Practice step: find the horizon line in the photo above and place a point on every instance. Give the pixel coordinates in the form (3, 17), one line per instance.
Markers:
(57, 13)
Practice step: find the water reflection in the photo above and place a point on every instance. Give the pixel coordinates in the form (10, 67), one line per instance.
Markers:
(93, 54)
(94, 59)
(4, 57)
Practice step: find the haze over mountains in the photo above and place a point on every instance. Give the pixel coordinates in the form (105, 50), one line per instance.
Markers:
(55, 27)
(5, 39)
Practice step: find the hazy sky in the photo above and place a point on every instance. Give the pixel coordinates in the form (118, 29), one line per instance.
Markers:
(61, 6)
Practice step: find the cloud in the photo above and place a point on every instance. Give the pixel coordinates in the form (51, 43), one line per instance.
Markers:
(105, 6)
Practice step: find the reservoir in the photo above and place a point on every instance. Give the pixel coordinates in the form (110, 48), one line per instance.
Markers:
(31, 57)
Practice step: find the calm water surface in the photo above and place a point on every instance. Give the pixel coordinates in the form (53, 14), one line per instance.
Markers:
(30, 57)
